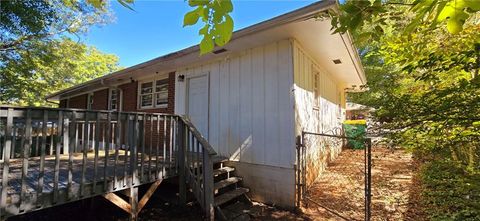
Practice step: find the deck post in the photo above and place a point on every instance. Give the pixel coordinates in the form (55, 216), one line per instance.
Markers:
(6, 161)
(181, 162)
(208, 185)
(133, 196)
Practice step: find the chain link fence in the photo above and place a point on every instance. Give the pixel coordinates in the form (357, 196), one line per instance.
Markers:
(332, 176)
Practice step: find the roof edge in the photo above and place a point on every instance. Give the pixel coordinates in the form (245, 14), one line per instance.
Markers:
(288, 17)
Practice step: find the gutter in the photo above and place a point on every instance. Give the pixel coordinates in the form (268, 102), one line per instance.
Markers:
(355, 58)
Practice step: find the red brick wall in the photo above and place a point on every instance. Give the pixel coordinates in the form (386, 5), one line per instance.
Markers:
(63, 103)
(79, 101)
(100, 100)
(129, 96)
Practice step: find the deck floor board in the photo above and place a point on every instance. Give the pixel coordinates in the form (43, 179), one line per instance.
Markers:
(15, 170)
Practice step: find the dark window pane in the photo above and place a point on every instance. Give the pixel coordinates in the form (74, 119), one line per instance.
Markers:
(146, 100)
(146, 88)
(161, 85)
(161, 98)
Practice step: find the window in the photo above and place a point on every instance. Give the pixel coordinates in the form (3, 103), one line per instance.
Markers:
(89, 101)
(146, 95)
(113, 99)
(316, 82)
(154, 94)
(161, 92)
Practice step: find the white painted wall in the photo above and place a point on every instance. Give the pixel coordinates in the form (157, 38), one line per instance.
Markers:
(331, 109)
(326, 117)
(251, 104)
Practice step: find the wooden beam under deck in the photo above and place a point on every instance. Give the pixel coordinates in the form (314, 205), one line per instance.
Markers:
(133, 207)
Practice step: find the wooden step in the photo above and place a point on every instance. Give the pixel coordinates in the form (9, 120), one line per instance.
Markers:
(226, 182)
(219, 159)
(225, 197)
(222, 170)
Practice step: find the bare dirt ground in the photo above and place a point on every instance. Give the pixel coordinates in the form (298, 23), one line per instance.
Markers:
(339, 193)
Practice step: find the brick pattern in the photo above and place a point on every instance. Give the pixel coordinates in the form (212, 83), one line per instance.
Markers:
(129, 93)
(100, 100)
(79, 102)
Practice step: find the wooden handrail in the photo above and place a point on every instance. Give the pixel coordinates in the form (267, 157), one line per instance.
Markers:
(5, 107)
(197, 166)
(206, 145)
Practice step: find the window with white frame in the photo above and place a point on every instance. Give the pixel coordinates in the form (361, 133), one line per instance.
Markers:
(153, 94)
(113, 99)
(161, 92)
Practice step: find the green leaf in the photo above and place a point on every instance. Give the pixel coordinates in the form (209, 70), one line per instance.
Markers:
(191, 17)
(226, 5)
(206, 45)
(203, 13)
(194, 3)
(204, 30)
(439, 9)
(223, 31)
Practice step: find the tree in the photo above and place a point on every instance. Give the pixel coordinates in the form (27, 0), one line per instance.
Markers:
(48, 67)
(452, 14)
(37, 56)
(26, 22)
(424, 85)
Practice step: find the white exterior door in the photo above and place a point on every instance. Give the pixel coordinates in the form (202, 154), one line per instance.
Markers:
(198, 102)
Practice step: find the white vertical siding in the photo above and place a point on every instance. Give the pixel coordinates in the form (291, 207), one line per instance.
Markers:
(330, 103)
(251, 104)
(326, 117)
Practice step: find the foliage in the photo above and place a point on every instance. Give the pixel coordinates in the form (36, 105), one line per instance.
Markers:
(449, 192)
(449, 14)
(27, 21)
(425, 86)
(50, 66)
(218, 25)
(37, 56)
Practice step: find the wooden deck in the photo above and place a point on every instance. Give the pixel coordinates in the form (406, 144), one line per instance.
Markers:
(53, 156)
(118, 178)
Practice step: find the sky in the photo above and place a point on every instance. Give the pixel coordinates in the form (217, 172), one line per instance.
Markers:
(155, 27)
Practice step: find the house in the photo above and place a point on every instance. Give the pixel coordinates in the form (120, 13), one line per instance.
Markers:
(250, 99)
(358, 111)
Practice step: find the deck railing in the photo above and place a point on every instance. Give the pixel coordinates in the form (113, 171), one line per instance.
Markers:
(52, 156)
(197, 165)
